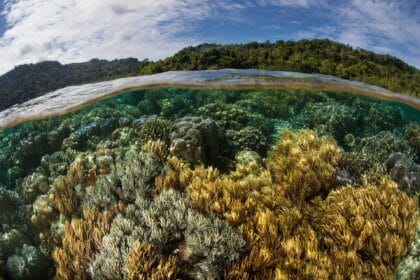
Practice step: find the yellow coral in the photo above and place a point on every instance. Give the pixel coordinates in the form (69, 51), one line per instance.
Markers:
(142, 262)
(375, 223)
(82, 237)
(292, 236)
(64, 194)
(157, 147)
(304, 163)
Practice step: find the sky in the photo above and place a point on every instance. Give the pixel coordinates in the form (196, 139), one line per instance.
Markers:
(79, 30)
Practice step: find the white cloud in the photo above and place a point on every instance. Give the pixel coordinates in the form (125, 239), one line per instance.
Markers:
(386, 26)
(77, 30)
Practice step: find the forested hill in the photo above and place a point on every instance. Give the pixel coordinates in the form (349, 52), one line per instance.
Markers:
(310, 56)
(31, 80)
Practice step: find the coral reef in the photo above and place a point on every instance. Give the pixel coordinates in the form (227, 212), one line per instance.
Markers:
(196, 140)
(81, 238)
(27, 263)
(292, 237)
(191, 184)
(304, 164)
(404, 172)
(330, 118)
(409, 268)
(241, 126)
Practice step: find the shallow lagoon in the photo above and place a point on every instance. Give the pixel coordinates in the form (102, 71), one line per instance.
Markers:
(207, 183)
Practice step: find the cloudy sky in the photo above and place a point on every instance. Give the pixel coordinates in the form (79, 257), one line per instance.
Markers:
(78, 30)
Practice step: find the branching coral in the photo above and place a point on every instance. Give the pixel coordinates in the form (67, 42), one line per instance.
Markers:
(64, 195)
(304, 164)
(353, 233)
(171, 226)
(143, 263)
(82, 238)
(155, 128)
(136, 173)
(369, 229)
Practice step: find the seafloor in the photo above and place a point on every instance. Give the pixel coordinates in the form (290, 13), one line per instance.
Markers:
(172, 183)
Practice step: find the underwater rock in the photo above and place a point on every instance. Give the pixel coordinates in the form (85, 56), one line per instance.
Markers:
(195, 140)
(27, 263)
(404, 172)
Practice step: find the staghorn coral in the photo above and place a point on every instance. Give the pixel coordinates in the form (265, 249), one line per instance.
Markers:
(248, 138)
(412, 136)
(330, 118)
(382, 117)
(240, 125)
(365, 168)
(304, 164)
(136, 171)
(380, 146)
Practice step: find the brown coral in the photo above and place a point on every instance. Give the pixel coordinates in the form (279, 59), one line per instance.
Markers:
(142, 262)
(82, 237)
(304, 163)
(375, 223)
(64, 194)
(157, 148)
(292, 236)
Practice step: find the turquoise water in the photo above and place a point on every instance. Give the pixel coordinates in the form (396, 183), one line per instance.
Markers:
(200, 127)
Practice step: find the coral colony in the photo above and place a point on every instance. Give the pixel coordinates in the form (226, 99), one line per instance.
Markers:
(172, 183)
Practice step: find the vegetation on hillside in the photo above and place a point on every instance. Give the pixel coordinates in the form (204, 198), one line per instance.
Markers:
(309, 56)
(28, 81)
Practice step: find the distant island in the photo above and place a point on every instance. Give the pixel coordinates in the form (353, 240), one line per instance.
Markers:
(324, 56)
